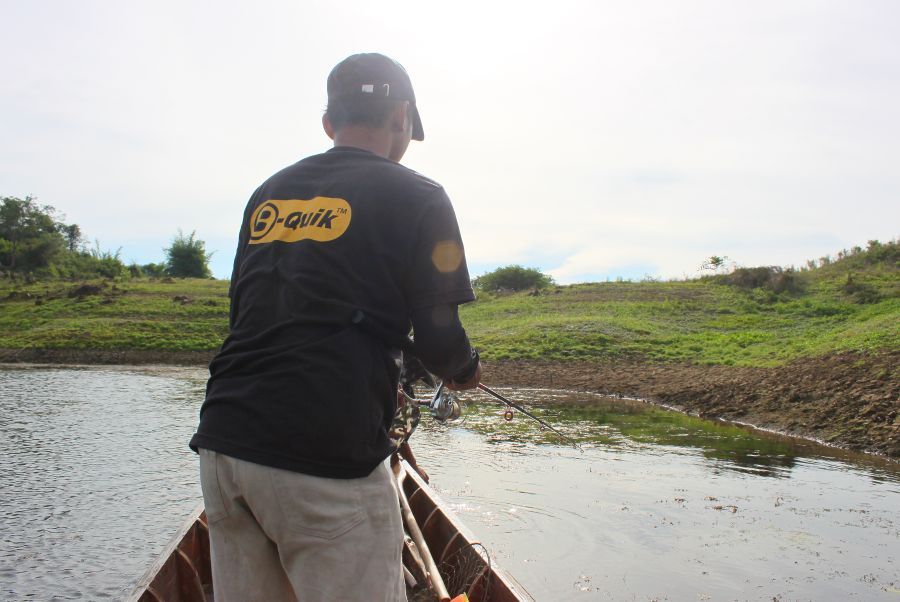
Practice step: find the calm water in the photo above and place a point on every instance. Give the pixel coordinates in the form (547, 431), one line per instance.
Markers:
(96, 476)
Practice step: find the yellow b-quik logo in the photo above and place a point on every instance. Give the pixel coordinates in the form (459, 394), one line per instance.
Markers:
(321, 219)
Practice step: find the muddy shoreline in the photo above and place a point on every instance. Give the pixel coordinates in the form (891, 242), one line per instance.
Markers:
(851, 400)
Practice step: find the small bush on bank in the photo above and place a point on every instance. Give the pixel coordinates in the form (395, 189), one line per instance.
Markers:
(860, 292)
(187, 257)
(512, 278)
(769, 278)
(148, 270)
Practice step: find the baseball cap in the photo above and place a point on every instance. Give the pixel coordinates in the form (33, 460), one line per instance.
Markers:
(378, 76)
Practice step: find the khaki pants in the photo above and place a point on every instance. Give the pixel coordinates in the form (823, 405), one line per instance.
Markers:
(281, 535)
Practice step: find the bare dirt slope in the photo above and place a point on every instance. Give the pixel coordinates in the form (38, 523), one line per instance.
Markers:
(851, 400)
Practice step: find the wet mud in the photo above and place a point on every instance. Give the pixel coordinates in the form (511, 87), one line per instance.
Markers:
(850, 400)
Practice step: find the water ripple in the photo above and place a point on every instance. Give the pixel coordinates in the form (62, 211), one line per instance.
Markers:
(94, 464)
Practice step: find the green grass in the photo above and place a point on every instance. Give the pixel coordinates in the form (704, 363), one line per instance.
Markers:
(134, 314)
(700, 321)
(696, 321)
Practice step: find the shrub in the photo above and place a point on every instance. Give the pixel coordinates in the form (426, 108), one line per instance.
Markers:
(187, 257)
(512, 278)
(769, 278)
(88, 264)
(135, 271)
(888, 253)
(150, 270)
(860, 292)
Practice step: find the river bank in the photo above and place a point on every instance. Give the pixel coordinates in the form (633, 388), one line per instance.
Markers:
(850, 400)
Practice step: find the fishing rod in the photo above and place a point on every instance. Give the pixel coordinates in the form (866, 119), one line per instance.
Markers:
(518, 407)
(444, 407)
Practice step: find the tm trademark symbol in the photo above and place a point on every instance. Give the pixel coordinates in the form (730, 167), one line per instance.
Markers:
(342, 210)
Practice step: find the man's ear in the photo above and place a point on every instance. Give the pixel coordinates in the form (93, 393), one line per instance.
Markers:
(326, 123)
(400, 115)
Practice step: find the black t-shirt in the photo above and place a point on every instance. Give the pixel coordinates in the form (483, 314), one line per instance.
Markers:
(296, 385)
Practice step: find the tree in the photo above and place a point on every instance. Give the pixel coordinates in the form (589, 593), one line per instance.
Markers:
(73, 236)
(30, 233)
(512, 278)
(34, 240)
(187, 257)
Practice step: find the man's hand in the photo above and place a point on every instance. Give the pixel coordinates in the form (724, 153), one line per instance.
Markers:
(471, 383)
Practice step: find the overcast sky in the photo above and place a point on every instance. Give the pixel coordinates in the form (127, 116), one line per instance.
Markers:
(592, 140)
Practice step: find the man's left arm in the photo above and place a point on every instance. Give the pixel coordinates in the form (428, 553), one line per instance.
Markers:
(439, 283)
(443, 346)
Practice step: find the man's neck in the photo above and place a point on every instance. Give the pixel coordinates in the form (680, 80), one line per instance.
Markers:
(374, 141)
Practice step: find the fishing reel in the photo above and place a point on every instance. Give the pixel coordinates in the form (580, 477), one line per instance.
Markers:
(444, 405)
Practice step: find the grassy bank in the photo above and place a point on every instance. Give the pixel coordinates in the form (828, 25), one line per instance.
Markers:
(848, 305)
(698, 322)
(142, 314)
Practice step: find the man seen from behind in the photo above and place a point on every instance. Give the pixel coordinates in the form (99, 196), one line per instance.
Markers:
(338, 256)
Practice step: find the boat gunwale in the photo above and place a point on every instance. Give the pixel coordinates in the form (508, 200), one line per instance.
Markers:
(169, 551)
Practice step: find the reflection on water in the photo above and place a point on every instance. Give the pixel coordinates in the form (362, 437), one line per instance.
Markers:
(663, 506)
(737, 447)
(597, 420)
(655, 505)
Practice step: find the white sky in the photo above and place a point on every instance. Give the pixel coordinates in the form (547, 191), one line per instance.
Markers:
(589, 139)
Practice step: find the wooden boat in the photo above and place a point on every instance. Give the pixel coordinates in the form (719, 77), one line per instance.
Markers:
(183, 572)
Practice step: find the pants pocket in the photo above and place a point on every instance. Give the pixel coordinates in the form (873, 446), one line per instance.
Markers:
(317, 506)
(213, 500)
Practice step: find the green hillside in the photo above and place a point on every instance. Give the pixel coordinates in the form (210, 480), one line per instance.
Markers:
(716, 320)
(755, 317)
